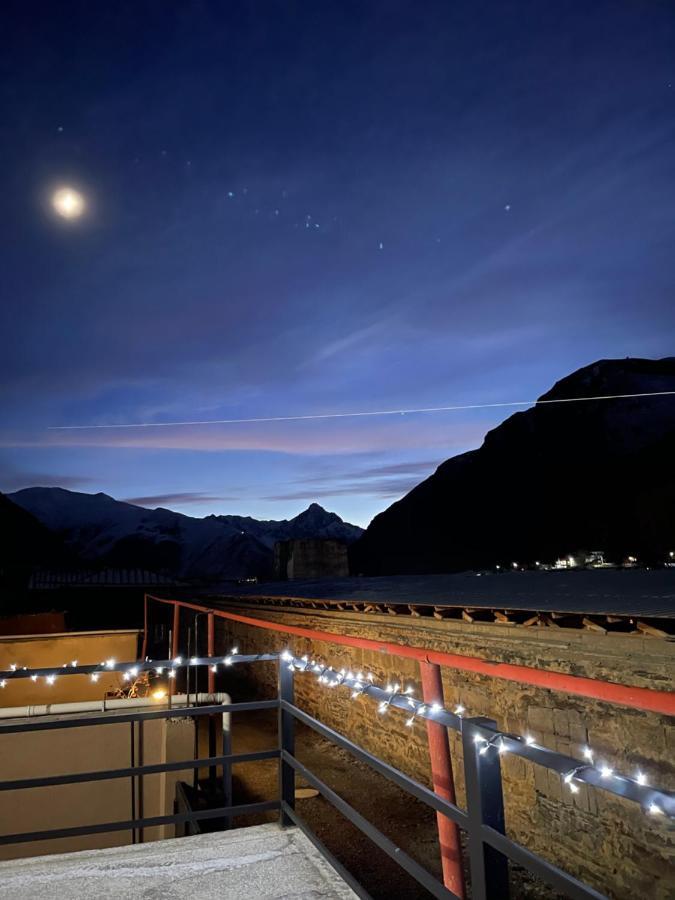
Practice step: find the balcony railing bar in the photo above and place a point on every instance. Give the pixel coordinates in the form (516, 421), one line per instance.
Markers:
(147, 822)
(418, 872)
(133, 771)
(394, 775)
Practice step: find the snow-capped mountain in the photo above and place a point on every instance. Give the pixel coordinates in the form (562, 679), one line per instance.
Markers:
(104, 530)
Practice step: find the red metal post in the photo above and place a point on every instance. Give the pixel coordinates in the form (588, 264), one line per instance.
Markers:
(443, 781)
(211, 639)
(144, 651)
(176, 630)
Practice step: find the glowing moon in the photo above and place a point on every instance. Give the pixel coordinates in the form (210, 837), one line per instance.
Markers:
(68, 203)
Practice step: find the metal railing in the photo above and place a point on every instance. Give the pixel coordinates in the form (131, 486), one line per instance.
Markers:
(489, 849)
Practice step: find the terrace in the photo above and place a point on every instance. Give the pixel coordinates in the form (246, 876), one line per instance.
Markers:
(232, 863)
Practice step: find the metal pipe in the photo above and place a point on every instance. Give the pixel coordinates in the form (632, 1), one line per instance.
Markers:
(50, 709)
(443, 781)
(662, 702)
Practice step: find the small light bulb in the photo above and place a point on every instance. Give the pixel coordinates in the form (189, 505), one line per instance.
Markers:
(33, 678)
(193, 661)
(214, 668)
(227, 661)
(459, 709)
(655, 810)
(371, 677)
(51, 679)
(74, 663)
(12, 667)
(410, 690)
(568, 778)
(529, 740)
(3, 683)
(382, 708)
(606, 772)
(436, 707)
(588, 753)
(574, 788)
(641, 779)
(287, 655)
(483, 750)
(94, 676)
(172, 673)
(159, 670)
(234, 651)
(159, 695)
(501, 747)
(178, 660)
(477, 739)
(410, 721)
(110, 663)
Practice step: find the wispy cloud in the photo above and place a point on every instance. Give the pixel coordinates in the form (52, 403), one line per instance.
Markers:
(383, 488)
(182, 498)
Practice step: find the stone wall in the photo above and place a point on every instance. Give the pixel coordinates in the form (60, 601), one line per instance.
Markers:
(601, 839)
(309, 558)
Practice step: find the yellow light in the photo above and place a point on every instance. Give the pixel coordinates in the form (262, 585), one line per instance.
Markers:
(159, 695)
(68, 203)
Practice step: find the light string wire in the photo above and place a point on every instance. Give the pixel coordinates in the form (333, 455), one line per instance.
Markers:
(390, 696)
(362, 414)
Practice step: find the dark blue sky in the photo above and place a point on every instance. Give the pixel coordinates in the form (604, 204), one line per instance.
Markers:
(301, 207)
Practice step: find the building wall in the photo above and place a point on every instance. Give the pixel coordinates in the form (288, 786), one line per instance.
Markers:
(603, 840)
(309, 558)
(45, 650)
(60, 752)
(72, 750)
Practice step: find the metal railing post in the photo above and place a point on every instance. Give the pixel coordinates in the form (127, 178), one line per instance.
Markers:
(286, 742)
(211, 649)
(176, 630)
(484, 806)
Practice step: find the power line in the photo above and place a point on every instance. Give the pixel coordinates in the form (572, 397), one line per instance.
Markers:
(356, 415)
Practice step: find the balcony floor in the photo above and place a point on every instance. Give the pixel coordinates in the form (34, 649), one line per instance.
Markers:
(263, 861)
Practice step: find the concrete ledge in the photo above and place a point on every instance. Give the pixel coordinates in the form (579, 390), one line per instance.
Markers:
(264, 861)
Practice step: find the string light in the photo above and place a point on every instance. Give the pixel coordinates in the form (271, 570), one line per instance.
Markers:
(359, 684)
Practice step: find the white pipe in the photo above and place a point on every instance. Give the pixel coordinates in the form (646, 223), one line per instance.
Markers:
(48, 709)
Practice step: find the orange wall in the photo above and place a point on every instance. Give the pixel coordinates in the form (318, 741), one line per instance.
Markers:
(45, 650)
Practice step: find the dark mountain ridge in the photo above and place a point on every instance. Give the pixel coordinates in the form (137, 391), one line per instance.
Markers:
(104, 531)
(595, 474)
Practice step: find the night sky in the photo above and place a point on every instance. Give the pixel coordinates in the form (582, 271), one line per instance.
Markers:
(316, 207)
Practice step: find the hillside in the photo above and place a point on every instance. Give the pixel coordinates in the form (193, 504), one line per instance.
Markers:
(550, 480)
(26, 543)
(103, 530)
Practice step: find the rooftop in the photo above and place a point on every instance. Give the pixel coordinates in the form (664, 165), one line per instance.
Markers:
(627, 592)
(261, 861)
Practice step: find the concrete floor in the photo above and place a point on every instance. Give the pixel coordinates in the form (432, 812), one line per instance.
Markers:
(263, 861)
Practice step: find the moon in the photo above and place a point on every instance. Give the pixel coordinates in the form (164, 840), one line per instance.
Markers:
(68, 203)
